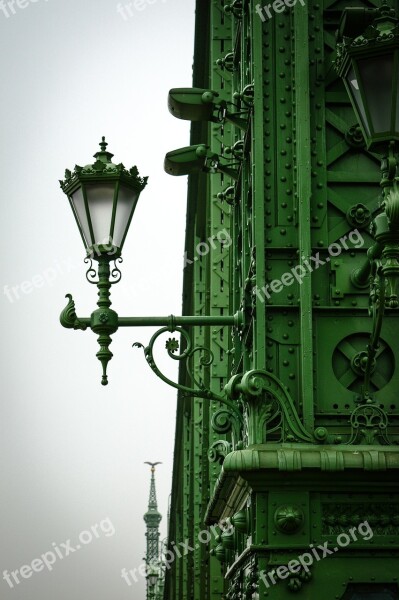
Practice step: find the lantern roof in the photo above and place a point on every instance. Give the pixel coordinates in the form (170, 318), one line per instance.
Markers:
(381, 30)
(103, 169)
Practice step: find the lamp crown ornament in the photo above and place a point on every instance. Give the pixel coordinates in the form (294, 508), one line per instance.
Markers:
(103, 165)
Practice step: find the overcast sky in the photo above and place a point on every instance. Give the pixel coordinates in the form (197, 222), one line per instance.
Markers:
(72, 451)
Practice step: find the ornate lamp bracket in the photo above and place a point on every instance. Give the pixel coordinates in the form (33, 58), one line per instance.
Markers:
(104, 321)
(224, 420)
(172, 346)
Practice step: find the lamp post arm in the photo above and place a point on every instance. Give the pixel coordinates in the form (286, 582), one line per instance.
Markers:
(104, 321)
(171, 322)
(69, 320)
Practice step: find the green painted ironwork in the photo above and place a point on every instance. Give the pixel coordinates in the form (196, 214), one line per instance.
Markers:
(105, 321)
(310, 456)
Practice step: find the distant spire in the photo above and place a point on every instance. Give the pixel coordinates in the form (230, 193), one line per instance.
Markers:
(152, 518)
(152, 503)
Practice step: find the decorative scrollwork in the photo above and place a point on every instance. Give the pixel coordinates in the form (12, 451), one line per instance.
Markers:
(206, 359)
(116, 274)
(221, 421)
(225, 421)
(91, 273)
(369, 425)
(68, 316)
(218, 451)
(271, 413)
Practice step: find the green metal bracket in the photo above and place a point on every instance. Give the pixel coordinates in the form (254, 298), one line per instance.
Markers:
(196, 159)
(198, 104)
(104, 321)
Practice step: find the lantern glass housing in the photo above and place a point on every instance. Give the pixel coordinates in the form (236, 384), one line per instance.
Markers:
(369, 66)
(103, 197)
(372, 85)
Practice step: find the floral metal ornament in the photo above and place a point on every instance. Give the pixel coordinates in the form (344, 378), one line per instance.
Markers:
(172, 345)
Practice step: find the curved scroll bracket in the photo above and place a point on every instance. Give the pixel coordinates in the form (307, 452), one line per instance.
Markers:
(115, 274)
(218, 451)
(206, 359)
(228, 420)
(68, 316)
(270, 409)
(91, 272)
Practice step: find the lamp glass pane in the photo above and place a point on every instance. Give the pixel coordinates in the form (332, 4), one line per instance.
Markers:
(100, 199)
(354, 91)
(377, 80)
(80, 210)
(127, 200)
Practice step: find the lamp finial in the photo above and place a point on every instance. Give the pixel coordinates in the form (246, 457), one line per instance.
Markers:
(103, 144)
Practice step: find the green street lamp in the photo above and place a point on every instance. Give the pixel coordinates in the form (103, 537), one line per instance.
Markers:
(368, 62)
(369, 66)
(103, 197)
